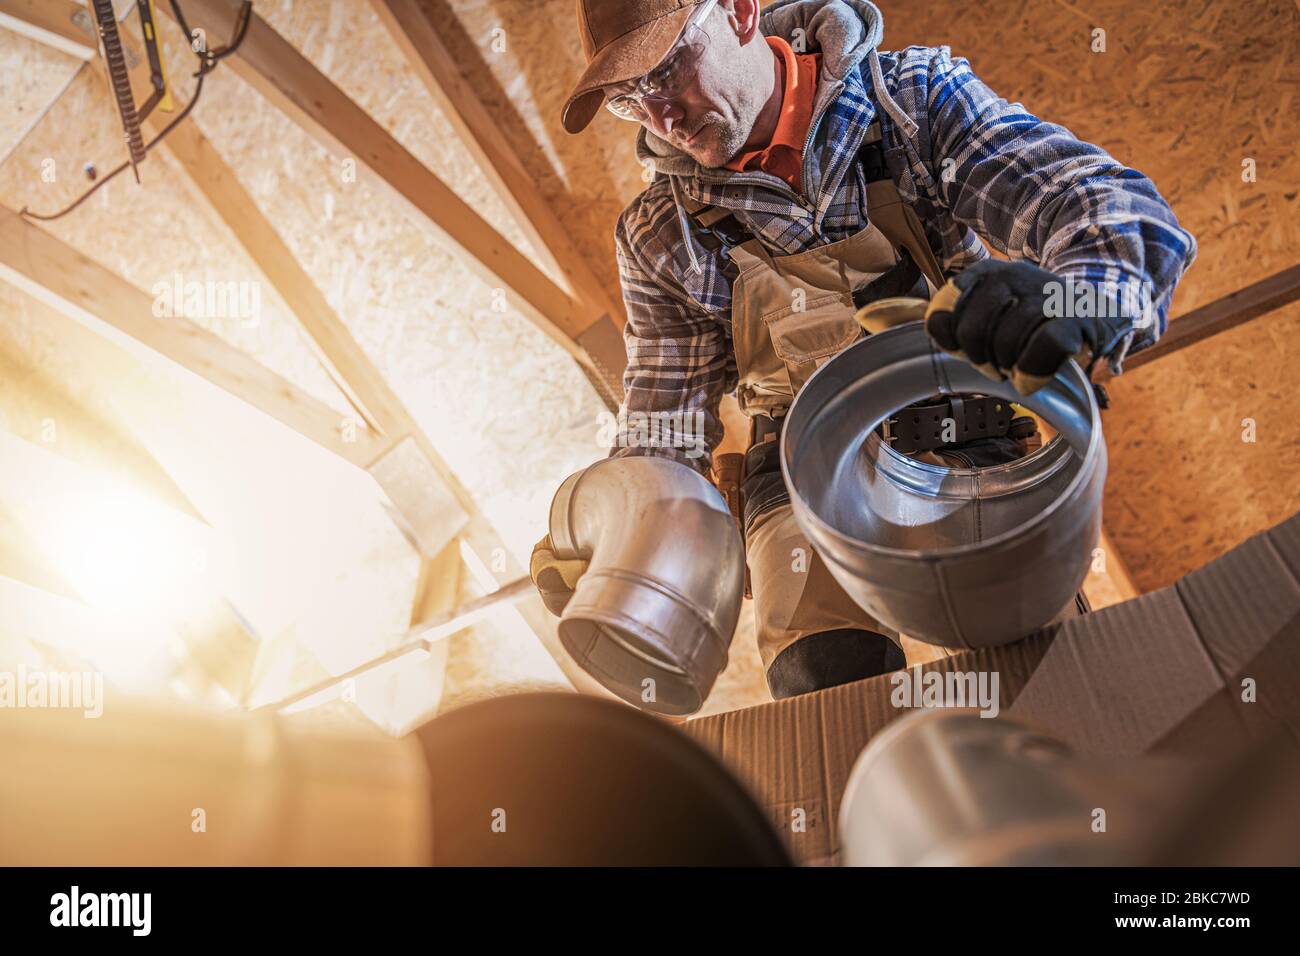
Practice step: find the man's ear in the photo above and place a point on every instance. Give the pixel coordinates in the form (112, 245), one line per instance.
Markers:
(742, 17)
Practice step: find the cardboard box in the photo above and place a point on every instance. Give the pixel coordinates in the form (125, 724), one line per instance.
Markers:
(1212, 661)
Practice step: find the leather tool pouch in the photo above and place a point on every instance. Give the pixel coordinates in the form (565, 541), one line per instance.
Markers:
(728, 477)
(727, 471)
(763, 487)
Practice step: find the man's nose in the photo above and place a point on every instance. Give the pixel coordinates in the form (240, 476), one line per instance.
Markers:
(662, 116)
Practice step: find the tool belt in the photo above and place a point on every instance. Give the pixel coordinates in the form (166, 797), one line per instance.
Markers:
(942, 424)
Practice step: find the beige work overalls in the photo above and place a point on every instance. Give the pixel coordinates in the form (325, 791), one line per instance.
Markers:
(790, 314)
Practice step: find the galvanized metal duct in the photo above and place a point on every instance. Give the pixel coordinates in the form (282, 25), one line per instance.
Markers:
(950, 788)
(956, 557)
(653, 616)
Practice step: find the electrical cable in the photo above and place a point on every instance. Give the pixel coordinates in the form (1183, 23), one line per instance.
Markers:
(208, 60)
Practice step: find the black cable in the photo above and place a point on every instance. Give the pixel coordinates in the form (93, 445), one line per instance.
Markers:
(180, 19)
(198, 88)
(207, 62)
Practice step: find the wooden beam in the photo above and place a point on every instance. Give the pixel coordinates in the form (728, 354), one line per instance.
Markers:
(64, 26)
(429, 511)
(603, 342)
(23, 560)
(217, 190)
(425, 507)
(1234, 309)
(438, 585)
(412, 25)
(275, 68)
(60, 276)
(436, 628)
(1116, 571)
(39, 404)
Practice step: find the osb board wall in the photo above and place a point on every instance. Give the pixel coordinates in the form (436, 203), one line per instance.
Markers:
(32, 77)
(523, 56)
(346, 42)
(503, 403)
(147, 234)
(297, 541)
(1184, 92)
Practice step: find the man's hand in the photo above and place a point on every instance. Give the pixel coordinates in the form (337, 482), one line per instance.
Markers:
(554, 577)
(995, 315)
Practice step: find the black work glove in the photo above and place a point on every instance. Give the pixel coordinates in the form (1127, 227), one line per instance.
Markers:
(995, 315)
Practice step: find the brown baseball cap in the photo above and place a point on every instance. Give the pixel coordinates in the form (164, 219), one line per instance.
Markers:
(621, 40)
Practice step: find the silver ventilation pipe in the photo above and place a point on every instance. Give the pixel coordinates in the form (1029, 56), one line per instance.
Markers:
(961, 558)
(951, 788)
(653, 616)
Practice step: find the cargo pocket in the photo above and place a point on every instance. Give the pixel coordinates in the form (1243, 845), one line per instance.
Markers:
(804, 340)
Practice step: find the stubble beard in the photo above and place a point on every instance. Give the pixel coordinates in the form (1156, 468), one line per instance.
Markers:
(721, 141)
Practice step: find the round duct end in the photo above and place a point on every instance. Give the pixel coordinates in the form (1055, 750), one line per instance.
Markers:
(960, 558)
(667, 667)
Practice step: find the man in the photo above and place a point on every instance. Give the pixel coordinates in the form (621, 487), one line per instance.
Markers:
(798, 174)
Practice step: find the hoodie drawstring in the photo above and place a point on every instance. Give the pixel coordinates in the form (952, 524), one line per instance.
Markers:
(905, 122)
(687, 233)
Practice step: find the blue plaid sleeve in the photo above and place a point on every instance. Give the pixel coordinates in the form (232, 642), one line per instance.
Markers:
(1034, 191)
(679, 355)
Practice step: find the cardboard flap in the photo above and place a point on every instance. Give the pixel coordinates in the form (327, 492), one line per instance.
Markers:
(1163, 672)
(1117, 680)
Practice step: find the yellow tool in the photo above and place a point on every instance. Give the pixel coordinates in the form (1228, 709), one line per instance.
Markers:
(157, 68)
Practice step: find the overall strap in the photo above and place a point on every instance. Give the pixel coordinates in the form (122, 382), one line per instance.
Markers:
(720, 231)
(717, 230)
(897, 219)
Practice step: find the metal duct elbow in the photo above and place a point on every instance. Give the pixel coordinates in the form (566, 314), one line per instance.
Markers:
(653, 616)
(959, 557)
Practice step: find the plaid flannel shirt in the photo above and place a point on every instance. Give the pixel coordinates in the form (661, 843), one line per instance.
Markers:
(975, 167)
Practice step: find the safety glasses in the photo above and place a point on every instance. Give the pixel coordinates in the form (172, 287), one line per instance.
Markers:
(671, 77)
